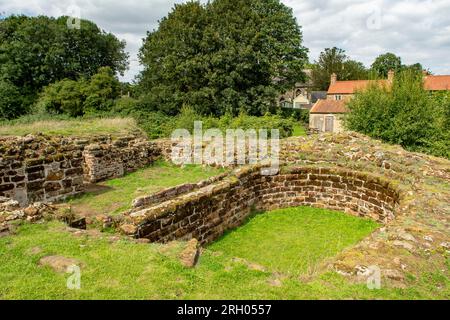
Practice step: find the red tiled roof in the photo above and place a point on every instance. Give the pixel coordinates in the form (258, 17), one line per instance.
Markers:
(432, 83)
(436, 83)
(329, 106)
(350, 87)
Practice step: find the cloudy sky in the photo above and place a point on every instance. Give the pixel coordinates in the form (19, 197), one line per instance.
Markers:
(417, 30)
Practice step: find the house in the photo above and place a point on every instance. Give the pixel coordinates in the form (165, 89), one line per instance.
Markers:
(344, 90)
(301, 96)
(326, 115)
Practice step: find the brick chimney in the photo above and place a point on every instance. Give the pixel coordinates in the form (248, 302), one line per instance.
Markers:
(333, 78)
(391, 75)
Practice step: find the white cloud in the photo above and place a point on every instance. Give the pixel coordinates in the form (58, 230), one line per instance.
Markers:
(417, 30)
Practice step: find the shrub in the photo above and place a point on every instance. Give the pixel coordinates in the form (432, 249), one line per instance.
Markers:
(65, 96)
(185, 120)
(125, 106)
(404, 114)
(155, 124)
(77, 98)
(301, 115)
(101, 91)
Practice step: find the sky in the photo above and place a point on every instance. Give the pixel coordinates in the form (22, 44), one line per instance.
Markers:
(416, 30)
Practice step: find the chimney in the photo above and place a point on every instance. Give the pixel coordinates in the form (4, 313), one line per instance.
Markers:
(391, 75)
(333, 78)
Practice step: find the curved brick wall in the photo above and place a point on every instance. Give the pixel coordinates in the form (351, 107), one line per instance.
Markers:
(207, 213)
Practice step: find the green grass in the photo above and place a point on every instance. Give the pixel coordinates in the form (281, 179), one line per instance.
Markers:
(296, 240)
(115, 196)
(299, 130)
(70, 127)
(125, 270)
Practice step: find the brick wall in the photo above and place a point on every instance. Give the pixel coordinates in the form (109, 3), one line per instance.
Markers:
(171, 193)
(114, 159)
(205, 214)
(46, 169)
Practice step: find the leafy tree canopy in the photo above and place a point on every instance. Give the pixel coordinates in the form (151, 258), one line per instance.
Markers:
(38, 51)
(77, 98)
(334, 60)
(226, 56)
(389, 61)
(386, 62)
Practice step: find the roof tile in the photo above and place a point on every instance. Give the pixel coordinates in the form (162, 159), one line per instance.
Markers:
(350, 87)
(437, 83)
(329, 106)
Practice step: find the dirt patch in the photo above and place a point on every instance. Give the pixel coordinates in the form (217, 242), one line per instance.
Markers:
(59, 264)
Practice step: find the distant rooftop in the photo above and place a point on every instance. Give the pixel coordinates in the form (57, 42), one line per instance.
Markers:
(431, 83)
(437, 83)
(351, 87)
(329, 106)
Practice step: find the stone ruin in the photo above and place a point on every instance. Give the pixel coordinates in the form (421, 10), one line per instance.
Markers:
(406, 192)
(207, 212)
(49, 169)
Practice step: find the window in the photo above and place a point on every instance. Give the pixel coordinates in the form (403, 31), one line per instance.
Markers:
(338, 97)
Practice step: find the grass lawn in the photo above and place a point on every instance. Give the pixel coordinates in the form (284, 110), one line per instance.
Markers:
(295, 240)
(72, 127)
(126, 270)
(115, 196)
(299, 130)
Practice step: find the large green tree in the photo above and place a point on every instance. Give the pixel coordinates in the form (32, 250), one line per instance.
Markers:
(38, 51)
(389, 61)
(335, 60)
(226, 56)
(386, 62)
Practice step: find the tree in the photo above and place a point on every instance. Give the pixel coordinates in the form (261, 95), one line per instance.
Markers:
(11, 101)
(38, 51)
(334, 60)
(417, 67)
(226, 56)
(101, 91)
(353, 70)
(77, 98)
(386, 62)
(65, 96)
